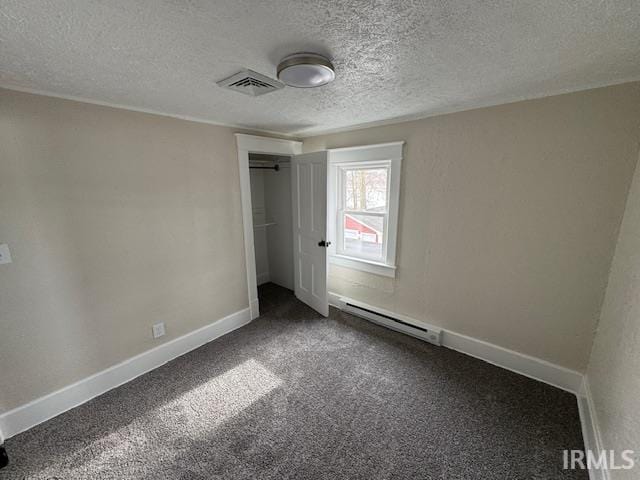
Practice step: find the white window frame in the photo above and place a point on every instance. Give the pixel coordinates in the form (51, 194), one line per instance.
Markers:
(384, 154)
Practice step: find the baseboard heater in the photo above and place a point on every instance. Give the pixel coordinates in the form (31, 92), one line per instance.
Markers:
(391, 320)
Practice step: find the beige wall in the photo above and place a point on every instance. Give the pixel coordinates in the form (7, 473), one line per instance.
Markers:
(115, 220)
(614, 367)
(509, 216)
(508, 219)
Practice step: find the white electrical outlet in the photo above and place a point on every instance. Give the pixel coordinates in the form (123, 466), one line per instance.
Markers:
(158, 330)
(5, 255)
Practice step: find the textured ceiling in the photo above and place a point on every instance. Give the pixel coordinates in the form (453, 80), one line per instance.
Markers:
(394, 59)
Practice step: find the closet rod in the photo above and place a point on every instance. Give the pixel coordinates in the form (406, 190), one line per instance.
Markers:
(276, 168)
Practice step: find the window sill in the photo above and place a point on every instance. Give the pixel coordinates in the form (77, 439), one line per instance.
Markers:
(363, 265)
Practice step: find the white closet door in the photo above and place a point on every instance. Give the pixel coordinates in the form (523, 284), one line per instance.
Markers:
(309, 197)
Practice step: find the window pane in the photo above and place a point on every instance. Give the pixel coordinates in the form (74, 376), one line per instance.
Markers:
(363, 236)
(365, 189)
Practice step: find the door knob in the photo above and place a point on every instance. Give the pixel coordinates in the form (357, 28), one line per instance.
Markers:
(323, 243)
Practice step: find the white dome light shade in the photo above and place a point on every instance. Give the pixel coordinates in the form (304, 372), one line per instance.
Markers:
(305, 70)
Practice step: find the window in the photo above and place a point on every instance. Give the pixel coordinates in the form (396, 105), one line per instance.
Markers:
(364, 190)
(362, 210)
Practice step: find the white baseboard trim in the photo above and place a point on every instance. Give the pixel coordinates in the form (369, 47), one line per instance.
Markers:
(334, 300)
(590, 428)
(263, 278)
(526, 365)
(37, 411)
(532, 367)
(254, 307)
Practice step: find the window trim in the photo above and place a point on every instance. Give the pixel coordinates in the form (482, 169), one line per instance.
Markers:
(365, 156)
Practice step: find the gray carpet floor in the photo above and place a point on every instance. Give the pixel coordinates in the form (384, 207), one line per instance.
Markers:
(296, 396)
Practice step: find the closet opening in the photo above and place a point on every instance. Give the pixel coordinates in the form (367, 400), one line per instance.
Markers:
(284, 219)
(270, 177)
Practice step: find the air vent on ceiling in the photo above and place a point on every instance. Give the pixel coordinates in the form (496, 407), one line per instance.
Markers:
(251, 83)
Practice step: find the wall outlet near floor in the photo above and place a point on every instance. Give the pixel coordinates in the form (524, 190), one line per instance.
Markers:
(5, 255)
(158, 330)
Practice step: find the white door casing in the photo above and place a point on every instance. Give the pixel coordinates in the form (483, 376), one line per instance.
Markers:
(255, 144)
(309, 198)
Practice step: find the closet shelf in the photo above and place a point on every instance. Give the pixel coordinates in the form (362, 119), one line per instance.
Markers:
(261, 225)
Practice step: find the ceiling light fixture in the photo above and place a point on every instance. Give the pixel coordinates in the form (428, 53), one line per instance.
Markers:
(306, 70)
